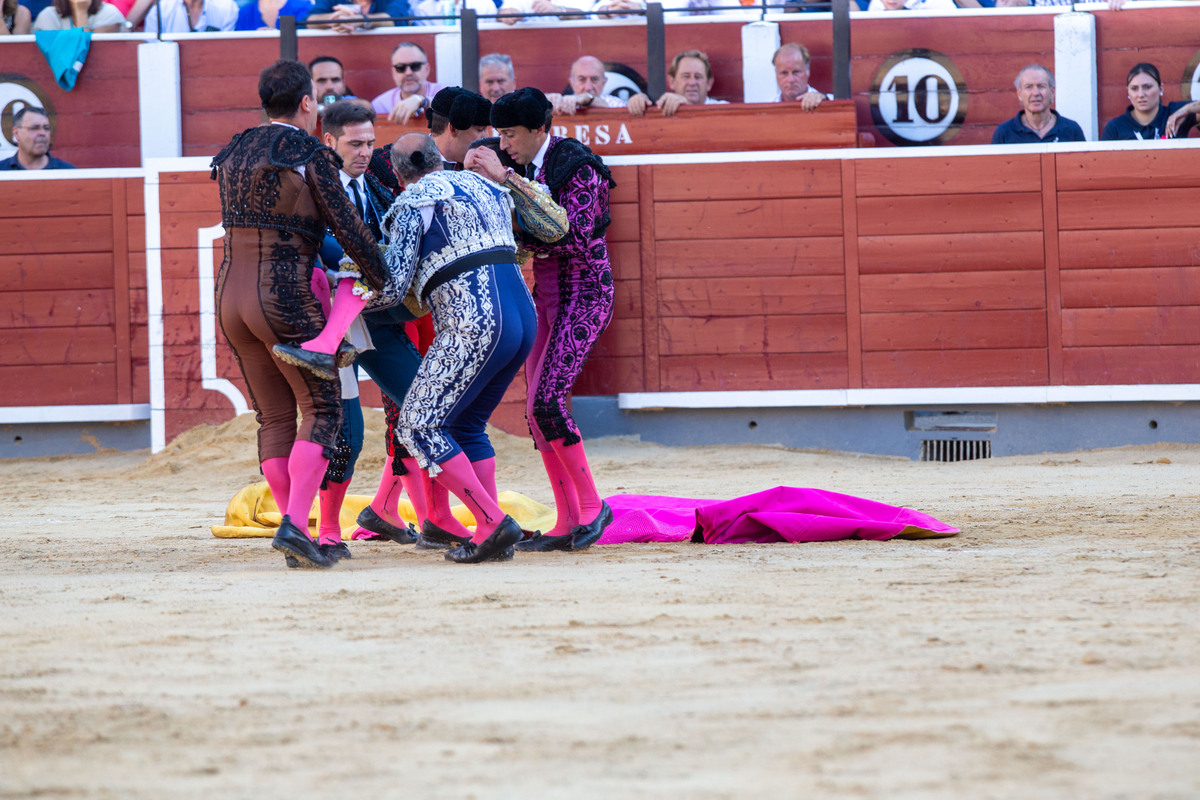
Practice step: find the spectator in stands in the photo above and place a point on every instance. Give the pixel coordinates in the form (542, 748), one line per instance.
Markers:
(17, 19)
(514, 11)
(611, 9)
(791, 75)
(913, 5)
(457, 117)
(1037, 121)
(706, 7)
(496, 76)
(329, 76)
(588, 78)
(32, 134)
(92, 15)
(430, 11)
(689, 79)
(265, 14)
(348, 17)
(414, 90)
(185, 16)
(1146, 117)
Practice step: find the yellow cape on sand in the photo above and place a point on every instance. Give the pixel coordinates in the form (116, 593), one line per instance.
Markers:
(252, 513)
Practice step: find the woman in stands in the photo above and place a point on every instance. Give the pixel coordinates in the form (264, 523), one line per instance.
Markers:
(95, 16)
(16, 19)
(1147, 117)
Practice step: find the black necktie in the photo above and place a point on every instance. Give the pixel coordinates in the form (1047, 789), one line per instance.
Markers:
(531, 171)
(358, 201)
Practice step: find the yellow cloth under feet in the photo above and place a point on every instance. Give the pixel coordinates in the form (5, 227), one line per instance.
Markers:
(252, 513)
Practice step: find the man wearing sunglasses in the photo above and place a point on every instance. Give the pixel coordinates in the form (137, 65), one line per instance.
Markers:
(414, 90)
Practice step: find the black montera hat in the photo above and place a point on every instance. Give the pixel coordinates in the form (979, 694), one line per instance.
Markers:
(526, 106)
(462, 107)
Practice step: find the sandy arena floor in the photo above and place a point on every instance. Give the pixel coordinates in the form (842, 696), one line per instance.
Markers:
(1052, 650)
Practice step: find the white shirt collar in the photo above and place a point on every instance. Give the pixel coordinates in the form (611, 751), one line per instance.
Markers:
(541, 154)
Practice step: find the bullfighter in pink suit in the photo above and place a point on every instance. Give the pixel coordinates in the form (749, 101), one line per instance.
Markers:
(573, 294)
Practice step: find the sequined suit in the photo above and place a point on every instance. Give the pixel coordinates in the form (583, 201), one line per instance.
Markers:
(279, 191)
(573, 288)
(450, 241)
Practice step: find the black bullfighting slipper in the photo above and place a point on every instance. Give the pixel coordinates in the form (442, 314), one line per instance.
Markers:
(291, 541)
(435, 537)
(497, 547)
(540, 543)
(367, 518)
(584, 536)
(346, 353)
(322, 365)
(336, 553)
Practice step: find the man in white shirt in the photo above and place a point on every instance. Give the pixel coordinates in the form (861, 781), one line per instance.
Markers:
(913, 5)
(588, 78)
(791, 75)
(186, 16)
(689, 80)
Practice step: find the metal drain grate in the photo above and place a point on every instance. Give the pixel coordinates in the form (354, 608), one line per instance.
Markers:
(955, 449)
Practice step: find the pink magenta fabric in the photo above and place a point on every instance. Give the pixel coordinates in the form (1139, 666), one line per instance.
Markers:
(782, 514)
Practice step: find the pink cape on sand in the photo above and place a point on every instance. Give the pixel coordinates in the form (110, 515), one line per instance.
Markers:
(782, 514)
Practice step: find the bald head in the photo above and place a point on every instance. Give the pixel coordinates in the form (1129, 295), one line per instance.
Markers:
(587, 75)
(415, 155)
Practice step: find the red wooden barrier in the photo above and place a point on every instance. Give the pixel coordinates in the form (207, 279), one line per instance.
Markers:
(1006, 269)
(72, 293)
(955, 72)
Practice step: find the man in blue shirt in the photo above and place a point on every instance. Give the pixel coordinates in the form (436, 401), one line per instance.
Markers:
(347, 17)
(1037, 121)
(32, 134)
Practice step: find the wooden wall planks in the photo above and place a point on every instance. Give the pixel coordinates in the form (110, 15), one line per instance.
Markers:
(794, 275)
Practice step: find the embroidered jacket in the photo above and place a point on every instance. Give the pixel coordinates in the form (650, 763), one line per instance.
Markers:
(278, 177)
(468, 214)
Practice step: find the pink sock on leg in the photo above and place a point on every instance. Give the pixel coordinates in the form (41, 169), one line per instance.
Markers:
(439, 508)
(306, 468)
(457, 476)
(575, 465)
(320, 287)
(485, 470)
(275, 471)
(416, 483)
(566, 502)
(346, 306)
(330, 530)
(387, 497)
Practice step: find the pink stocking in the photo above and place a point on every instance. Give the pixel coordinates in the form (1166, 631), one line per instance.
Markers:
(566, 501)
(275, 470)
(439, 507)
(330, 531)
(387, 497)
(306, 468)
(575, 464)
(485, 470)
(416, 483)
(459, 478)
(320, 287)
(346, 306)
